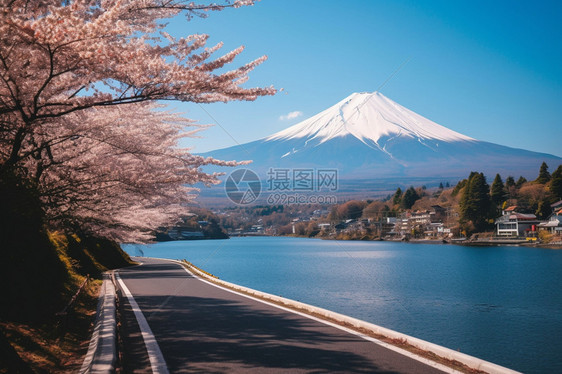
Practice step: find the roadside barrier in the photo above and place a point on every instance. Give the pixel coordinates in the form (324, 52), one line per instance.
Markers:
(362, 326)
(102, 351)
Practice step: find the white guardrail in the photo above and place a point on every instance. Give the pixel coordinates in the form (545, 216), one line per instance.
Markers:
(446, 353)
(102, 351)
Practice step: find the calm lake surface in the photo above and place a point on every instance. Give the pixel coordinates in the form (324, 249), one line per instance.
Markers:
(501, 304)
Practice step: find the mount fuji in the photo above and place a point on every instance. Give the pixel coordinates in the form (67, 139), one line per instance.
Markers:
(367, 136)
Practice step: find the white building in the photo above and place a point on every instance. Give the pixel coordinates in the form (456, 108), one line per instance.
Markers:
(554, 223)
(516, 224)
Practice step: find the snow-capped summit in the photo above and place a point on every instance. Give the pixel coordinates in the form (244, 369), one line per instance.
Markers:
(368, 136)
(368, 117)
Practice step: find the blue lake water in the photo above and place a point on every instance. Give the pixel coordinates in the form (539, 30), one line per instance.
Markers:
(501, 304)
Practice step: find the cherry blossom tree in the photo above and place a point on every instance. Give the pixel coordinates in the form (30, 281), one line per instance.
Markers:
(80, 83)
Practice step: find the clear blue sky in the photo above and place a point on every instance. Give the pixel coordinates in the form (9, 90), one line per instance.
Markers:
(489, 70)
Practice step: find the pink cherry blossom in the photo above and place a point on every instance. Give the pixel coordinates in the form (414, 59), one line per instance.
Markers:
(80, 87)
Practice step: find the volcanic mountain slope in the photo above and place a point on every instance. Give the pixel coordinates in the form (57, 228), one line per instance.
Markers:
(368, 136)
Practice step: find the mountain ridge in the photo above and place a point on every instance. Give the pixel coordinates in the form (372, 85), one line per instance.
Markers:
(369, 136)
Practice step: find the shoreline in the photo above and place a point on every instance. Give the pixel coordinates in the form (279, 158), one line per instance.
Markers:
(465, 242)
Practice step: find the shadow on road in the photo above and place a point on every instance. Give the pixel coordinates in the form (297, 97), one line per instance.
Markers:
(205, 332)
(204, 329)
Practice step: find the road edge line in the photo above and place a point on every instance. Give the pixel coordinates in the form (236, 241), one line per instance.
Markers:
(155, 356)
(440, 351)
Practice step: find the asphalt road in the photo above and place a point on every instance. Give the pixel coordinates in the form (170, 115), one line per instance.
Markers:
(204, 329)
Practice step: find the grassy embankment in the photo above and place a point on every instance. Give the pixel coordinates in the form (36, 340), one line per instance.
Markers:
(34, 336)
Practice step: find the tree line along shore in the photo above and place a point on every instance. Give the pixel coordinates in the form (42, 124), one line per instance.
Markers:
(469, 210)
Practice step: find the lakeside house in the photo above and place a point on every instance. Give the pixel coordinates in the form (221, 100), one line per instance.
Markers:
(514, 224)
(554, 223)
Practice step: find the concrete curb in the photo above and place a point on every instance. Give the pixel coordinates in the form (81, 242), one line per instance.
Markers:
(102, 351)
(470, 361)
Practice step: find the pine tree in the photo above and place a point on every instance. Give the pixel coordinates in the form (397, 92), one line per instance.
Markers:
(556, 183)
(544, 175)
(397, 196)
(475, 204)
(441, 186)
(410, 198)
(460, 185)
(520, 182)
(510, 187)
(497, 192)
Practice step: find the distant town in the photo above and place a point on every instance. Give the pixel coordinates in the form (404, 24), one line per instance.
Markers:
(472, 211)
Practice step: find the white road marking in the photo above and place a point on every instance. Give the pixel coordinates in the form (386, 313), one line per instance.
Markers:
(157, 362)
(401, 351)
